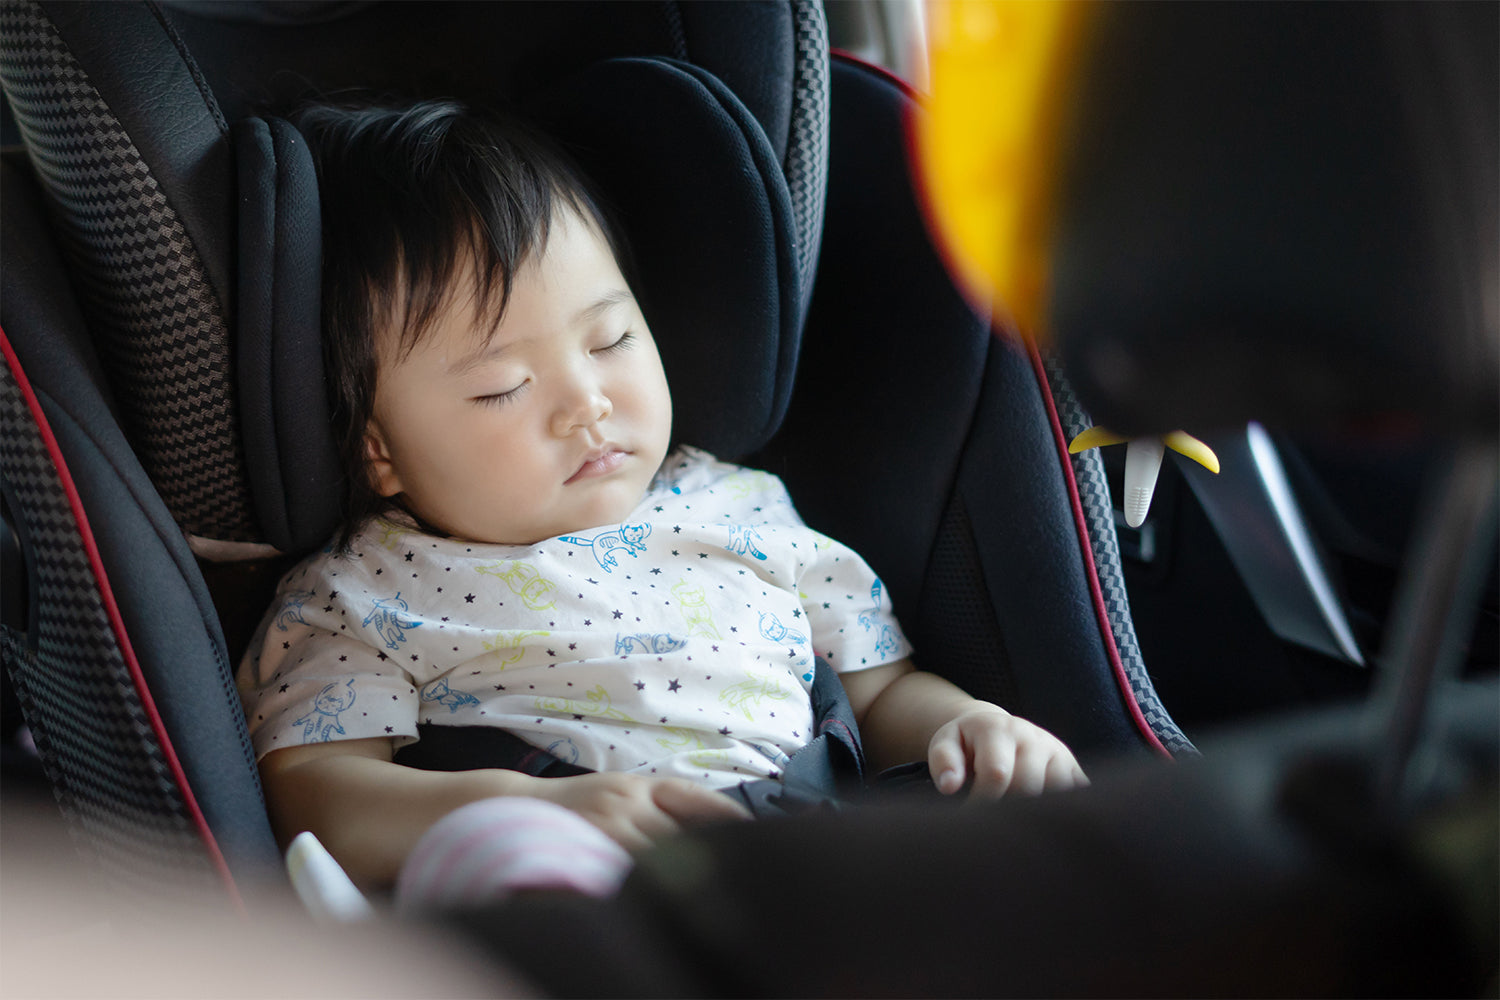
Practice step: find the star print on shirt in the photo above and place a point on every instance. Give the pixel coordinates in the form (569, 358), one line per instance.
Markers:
(468, 598)
(672, 685)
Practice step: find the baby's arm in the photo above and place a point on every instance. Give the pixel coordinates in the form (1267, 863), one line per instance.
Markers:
(905, 714)
(369, 811)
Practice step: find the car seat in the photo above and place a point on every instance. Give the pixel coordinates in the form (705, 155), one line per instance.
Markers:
(160, 323)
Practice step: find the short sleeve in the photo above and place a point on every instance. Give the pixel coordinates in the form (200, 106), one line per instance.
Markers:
(853, 625)
(301, 683)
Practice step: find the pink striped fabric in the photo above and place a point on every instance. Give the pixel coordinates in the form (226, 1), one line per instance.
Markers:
(487, 850)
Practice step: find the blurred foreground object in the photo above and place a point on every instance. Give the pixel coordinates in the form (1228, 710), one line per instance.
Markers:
(1224, 212)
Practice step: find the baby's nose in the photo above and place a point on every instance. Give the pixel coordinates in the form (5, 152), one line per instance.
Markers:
(584, 408)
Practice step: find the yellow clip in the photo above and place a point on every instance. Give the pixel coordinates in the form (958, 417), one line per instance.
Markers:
(1095, 437)
(1186, 444)
(1143, 462)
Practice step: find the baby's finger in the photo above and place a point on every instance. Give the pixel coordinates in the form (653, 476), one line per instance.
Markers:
(686, 802)
(1030, 775)
(994, 766)
(1063, 772)
(627, 832)
(945, 760)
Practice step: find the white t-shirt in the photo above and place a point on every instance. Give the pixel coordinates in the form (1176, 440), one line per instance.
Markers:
(680, 642)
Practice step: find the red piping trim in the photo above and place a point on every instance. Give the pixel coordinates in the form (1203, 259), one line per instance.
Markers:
(1091, 570)
(117, 622)
(844, 55)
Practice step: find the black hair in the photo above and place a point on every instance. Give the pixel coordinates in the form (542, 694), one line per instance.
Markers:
(411, 195)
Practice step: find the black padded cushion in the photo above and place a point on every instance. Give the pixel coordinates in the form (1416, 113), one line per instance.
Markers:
(704, 205)
(293, 471)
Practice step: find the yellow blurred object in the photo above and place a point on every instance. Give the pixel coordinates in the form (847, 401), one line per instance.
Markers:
(988, 146)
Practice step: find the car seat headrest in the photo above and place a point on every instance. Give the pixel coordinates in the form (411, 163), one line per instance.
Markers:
(703, 202)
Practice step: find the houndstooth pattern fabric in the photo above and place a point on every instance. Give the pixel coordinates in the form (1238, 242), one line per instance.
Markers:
(155, 316)
(806, 165)
(1098, 511)
(91, 730)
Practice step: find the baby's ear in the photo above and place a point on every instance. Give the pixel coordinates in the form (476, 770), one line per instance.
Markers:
(383, 475)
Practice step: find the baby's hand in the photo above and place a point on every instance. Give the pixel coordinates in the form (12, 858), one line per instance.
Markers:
(636, 811)
(999, 753)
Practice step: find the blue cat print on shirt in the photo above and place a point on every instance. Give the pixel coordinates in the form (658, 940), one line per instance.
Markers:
(870, 618)
(390, 623)
(564, 750)
(291, 611)
(645, 642)
(771, 754)
(439, 693)
(772, 628)
(742, 539)
(627, 537)
(319, 725)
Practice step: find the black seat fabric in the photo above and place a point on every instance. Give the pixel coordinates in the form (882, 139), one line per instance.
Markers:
(925, 441)
(120, 664)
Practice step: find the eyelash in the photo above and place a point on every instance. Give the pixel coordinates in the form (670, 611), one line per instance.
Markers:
(625, 343)
(501, 398)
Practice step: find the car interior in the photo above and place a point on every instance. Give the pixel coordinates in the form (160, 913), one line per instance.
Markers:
(1274, 226)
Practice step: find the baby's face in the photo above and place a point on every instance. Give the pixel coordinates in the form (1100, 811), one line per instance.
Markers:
(555, 424)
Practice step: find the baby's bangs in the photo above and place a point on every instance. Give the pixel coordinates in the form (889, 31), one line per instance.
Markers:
(484, 206)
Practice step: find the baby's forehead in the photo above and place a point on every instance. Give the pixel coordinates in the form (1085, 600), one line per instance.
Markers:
(460, 305)
(462, 316)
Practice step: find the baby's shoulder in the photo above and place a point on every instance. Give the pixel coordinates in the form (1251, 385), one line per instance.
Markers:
(378, 553)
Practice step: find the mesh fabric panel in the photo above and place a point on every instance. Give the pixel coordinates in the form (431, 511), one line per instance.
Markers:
(964, 642)
(93, 733)
(158, 323)
(806, 165)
